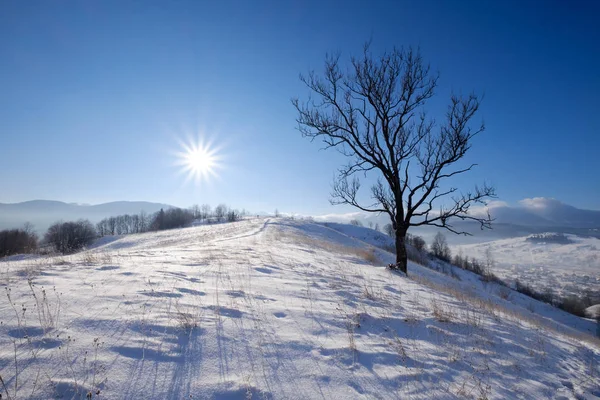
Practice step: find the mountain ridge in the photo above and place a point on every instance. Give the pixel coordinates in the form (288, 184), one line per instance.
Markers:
(43, 213)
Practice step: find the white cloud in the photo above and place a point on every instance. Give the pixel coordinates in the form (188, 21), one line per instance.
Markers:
(539, 203)
(482, 211)
(497, 203)
(342, 218)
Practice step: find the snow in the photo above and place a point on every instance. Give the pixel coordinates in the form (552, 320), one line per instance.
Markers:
(593, 311)
(274, 308)
(569, 269)
(363, 234)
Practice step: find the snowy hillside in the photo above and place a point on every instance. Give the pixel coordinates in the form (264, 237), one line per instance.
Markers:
(272, 308)
(367, 235)
(570, 267)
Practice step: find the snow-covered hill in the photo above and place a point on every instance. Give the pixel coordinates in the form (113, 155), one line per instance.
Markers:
(570, 266)
(272, 308)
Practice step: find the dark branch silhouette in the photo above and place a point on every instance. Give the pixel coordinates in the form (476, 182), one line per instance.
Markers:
(373, 114)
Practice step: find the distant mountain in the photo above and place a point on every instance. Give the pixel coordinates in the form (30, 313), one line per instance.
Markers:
(541, 211)
(43, 213)
(530, 216)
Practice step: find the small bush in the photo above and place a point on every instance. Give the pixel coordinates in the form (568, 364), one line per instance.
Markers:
(69, 237)
(574, 305)
(17, 241)
(504, 293)
(233, 215)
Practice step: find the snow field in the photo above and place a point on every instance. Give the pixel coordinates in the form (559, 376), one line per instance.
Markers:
(273, 308)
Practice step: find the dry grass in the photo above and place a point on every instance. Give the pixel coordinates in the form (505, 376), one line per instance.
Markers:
(61, 261)
(504, 292)
(351, 321)
(442, 312)
(186, 321)
(89, 258)
(495, 310)
(368, 255)
(371, 292)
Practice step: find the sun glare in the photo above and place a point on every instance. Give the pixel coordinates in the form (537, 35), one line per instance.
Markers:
(199, 161)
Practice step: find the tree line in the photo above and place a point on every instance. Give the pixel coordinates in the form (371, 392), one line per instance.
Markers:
(71, 236)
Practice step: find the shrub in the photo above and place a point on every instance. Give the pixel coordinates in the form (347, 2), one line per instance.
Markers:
(418, 242)
(524, 288)
(68, 237)
(17, 241)
(504, 293)
(475, 266)
(574, 305)
(233, 215)
(172, 218)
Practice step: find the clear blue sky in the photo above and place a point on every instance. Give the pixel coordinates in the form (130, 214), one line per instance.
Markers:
(93, 95)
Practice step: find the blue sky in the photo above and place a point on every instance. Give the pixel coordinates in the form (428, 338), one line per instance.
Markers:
(95, 95)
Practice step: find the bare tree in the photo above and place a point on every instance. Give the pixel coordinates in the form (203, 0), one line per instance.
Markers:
(195, 209)
(389, 230)
(418, 243)
(220, 212)
(112, 225)
(440, 248)
(355, 222)
(143, 222)
(373, 114)
(489, 261)
(205, 211)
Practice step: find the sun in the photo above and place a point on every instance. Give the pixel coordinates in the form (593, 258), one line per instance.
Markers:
(198, 160)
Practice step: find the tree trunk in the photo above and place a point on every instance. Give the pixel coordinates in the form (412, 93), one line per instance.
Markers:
(401, 257)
